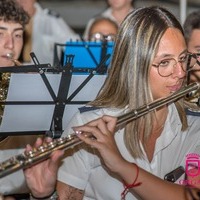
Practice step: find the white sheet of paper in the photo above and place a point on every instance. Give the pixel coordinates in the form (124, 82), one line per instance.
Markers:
(30, 87)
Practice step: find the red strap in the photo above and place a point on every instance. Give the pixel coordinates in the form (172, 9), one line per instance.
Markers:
(128, 186)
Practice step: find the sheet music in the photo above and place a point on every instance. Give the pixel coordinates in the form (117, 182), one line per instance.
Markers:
(30, 87)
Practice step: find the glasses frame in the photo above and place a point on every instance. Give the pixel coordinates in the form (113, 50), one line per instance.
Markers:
(102, 37)
(157, 66)
(194, 55)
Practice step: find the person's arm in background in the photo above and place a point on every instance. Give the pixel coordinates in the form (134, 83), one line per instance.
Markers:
(67, 192)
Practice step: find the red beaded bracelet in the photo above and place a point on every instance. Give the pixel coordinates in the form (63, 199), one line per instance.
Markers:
(128, 186)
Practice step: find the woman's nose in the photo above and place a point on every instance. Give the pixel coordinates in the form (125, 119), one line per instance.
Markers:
(178, 70)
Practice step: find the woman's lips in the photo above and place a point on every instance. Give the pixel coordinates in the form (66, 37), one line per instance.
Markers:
(174, 88)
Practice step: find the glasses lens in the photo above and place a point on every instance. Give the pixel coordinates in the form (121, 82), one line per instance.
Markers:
(195, 62)
(192, 63)
(101, 37)
(184, 63)
(198, 58)
(96, 37)
(166, 67)
(110, 37)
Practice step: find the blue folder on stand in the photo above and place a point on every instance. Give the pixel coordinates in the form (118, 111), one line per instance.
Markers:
(89, 55)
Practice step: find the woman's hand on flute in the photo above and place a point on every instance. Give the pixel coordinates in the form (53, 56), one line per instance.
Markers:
(41, 177)
(103, 129)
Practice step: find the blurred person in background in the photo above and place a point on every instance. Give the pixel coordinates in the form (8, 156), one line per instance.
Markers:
(192, 31)
(101, 29)
(192, 35)
(45, 29)
(117, 10)
(191, 28)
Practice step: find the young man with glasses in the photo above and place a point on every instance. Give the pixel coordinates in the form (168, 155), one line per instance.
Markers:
(192, 35)
(117, 10)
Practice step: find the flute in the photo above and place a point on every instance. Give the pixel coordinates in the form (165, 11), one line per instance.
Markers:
(27, 159)
(15, 61)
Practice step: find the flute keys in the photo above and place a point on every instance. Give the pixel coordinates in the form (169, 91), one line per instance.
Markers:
(41, 149)
(30, 153)
(8, 163)
(52, 144)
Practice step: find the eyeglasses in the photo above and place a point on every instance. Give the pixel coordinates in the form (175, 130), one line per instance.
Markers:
(102, 37)
(193, 61)
(166, 67)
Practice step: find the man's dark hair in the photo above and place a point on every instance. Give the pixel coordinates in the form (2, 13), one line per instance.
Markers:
(192, 22)
(11, 11)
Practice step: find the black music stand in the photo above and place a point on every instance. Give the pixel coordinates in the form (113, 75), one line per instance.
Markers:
(60, 99)
(99, 67)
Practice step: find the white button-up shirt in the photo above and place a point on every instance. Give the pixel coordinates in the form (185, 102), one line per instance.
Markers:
(84, 169)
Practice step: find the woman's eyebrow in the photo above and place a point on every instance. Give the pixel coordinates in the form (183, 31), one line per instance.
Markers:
(169, 55)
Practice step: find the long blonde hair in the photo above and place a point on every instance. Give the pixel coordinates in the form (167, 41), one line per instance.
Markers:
(128, 81)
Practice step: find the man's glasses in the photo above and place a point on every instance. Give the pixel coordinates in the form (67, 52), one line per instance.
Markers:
(193, 61)
(193, 66)
(102, 37)
(166, 67)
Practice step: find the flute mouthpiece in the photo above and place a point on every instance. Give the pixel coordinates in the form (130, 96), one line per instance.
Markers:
(15, 61)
